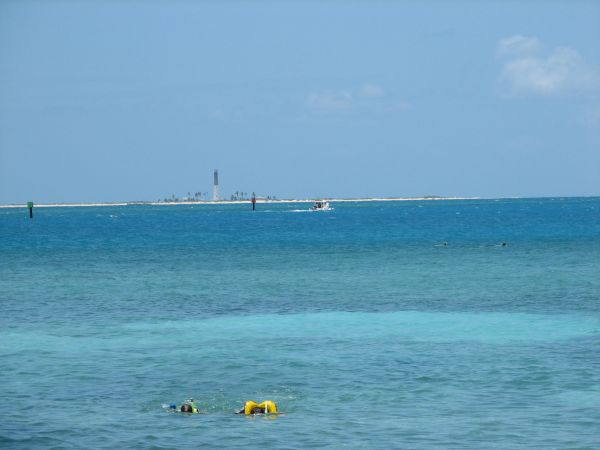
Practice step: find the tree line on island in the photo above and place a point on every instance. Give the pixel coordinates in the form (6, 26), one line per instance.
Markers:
(203, 197)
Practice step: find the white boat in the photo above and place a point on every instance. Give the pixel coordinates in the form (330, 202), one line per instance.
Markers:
(321, 206)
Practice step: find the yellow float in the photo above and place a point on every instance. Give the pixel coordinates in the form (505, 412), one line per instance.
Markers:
(267, 407)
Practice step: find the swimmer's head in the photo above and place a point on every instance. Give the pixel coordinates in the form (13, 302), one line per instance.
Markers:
(186, 408)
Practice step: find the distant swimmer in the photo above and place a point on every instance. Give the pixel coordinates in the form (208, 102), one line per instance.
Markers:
(504, 244)
(189, 406)
(441, 244)
(252, 408)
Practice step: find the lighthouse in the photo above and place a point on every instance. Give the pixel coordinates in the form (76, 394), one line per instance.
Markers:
(216, 187)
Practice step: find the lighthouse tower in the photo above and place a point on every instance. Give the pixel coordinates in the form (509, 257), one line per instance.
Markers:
(216, 187)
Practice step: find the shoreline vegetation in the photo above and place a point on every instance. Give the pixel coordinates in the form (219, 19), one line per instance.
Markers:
(234, 202)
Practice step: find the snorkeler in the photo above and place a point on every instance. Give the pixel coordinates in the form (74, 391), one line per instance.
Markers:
(252, 408)
(189, 406)
(255, 410)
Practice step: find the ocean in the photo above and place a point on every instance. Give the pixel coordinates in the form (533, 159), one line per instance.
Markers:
(375, 325)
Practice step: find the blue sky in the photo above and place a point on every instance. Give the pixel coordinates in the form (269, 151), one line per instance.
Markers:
(128, 100)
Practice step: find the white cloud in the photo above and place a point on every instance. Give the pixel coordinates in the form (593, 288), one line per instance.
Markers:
(371, 90)
(330, 100)
(561, 71)
(367, 94)
(518, 45)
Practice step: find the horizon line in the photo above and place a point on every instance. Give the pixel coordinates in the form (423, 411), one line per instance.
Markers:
(265, 200)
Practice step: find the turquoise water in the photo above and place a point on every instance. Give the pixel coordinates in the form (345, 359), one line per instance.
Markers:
(364, 330)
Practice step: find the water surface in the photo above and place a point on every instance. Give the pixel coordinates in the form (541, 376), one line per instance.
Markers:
(363, 327)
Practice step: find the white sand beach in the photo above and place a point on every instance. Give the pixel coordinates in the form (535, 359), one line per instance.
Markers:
(233, 202)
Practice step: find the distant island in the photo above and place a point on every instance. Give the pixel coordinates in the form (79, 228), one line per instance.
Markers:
(193, 201)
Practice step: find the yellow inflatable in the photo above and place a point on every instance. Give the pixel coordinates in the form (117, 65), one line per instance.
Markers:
(267, 407)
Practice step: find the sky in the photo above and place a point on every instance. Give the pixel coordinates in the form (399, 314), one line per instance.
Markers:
(142, 100)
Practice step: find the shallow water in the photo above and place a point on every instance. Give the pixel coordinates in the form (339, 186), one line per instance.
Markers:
(357, 322)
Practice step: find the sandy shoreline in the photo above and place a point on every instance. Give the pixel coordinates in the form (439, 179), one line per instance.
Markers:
(234, 202)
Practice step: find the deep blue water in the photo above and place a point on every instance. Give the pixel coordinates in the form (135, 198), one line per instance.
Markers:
(364, 329)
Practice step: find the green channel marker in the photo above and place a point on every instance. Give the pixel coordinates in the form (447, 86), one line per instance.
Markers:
(30, 206)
